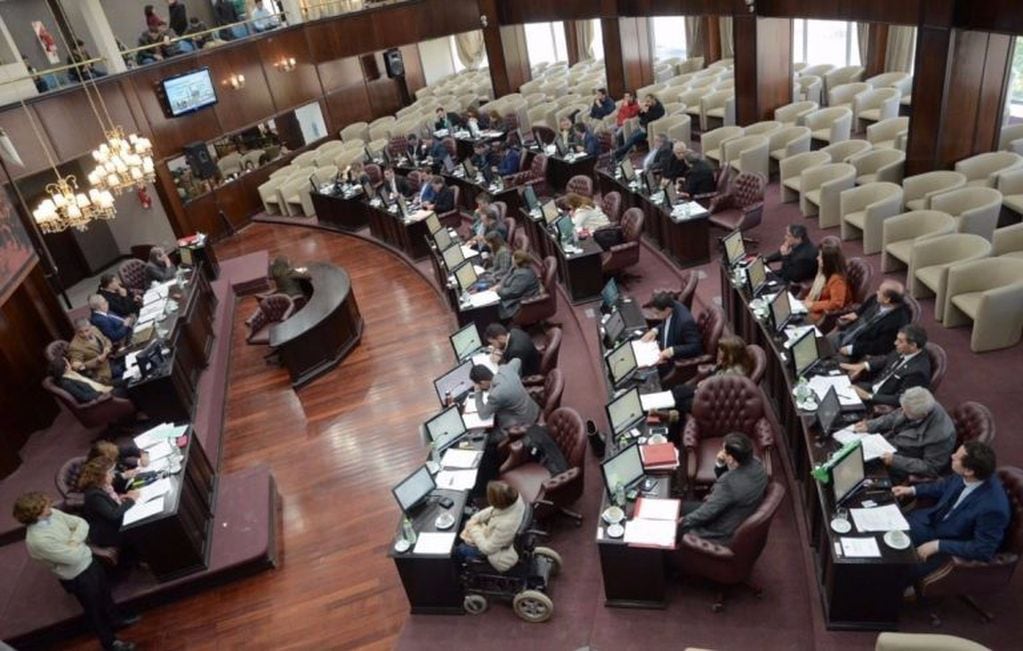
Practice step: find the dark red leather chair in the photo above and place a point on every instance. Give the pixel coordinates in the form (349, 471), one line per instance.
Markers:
(452, 218)
(521, 241)
(133, 275)
(549, 354)
(415, 180)
(973, 422)
(939, 364)
(732, 564)
(452, 147)
(502, 211)
(511, 121)
(550, 495)
(101, 412)
(536, 176)
(375, 174)
(724, 404)
(580, 184)
(548, 394)
(66, 481)
(620, 257)
(690, 279)
(545, 133)
(756, 374)
(544, 305)
(397, 146)
(611, 204)
(711, 323)
(744, 208)
(512, 227)
(719, 196)
(859, 274)
(963, 578)
(272, 309)
(914, 308)
(56, 349)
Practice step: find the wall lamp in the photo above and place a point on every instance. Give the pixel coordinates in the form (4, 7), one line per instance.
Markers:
(286, 64)
(750, 5)
(235, 81)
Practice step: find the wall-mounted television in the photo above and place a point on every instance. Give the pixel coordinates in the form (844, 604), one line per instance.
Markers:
(189, 92)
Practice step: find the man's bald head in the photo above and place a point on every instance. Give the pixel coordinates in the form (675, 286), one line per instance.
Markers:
(679, 149)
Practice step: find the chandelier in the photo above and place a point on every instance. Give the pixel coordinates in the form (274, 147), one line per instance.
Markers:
(122, 162)
(67, 208)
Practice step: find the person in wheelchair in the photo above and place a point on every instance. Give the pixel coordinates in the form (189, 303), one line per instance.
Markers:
(490, 533)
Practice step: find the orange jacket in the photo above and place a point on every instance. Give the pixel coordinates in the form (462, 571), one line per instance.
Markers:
(835, 295)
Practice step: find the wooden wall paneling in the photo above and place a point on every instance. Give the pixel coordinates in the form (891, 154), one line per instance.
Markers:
(613, 62)
(877, 49)
(994, 90)
(340, 73)
(571, 42)
(17, 124)
(517, 12)
(249, 104)
(384, 96)
(170, 135)
(991, 16)
(202, 216)
(637, 52)
(905, 12)
(74, 138)
(415, 76)
(348, 105)
(239, 200)
(494, 45)
(336, 39)
(763, 66)
(289, 89)
(711, 28)
(933, 52)
(516, 56)
(168, 193)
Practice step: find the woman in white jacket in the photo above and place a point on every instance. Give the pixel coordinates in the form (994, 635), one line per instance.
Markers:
(491, 532)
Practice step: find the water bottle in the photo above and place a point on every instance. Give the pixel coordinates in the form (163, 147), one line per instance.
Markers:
(408, 532)
(802, 391)
(619, 495)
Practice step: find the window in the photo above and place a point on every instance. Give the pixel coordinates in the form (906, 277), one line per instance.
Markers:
(597, 44)
(825, 41)
(546, 42)
(669, 34)
(1016, 81)
(456, 62)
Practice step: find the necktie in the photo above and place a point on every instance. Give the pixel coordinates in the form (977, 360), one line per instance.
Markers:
(887, 376)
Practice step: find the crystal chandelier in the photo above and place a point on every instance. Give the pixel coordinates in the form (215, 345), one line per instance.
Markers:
(67, 208)
(122, 162)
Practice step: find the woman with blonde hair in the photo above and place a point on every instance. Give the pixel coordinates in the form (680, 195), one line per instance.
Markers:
(104, 509)
(585, 214)
(491, 531)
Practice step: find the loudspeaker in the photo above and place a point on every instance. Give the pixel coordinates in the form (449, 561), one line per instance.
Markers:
(199, 160)
(394, 63)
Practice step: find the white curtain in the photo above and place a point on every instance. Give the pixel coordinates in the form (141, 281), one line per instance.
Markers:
(584, 34)
(863, 41)
(901, 49)
(727, 49)
(694, 44)
(470, 48)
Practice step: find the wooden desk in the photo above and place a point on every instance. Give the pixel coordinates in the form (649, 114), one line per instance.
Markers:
(560, 171)
(579, 272)
(406, 235)
(346, 213)
(175, 542)
(316, 338)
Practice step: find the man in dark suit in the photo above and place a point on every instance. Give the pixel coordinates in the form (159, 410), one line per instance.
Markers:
(121, 302)
(660, 155)
(432, 148)
(443, 197)
(115, 328)
(676, 167)
(798, 256)
(871, 330)
(81, 388)
(446, 120)
(700, 178)
(513, 343)
(510, 161)
(677, 336)
(395, 185)
(889, 375)
(922, 432)
(970, 517)
(738, 491)
(585, 141)
(602, 105)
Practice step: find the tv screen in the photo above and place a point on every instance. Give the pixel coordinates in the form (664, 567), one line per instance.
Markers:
(189, 92)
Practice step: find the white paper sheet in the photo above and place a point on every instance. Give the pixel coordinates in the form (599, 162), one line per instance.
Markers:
(460, 459)
(473, 421)
(142, 510)
(659, 400)
(468, 251)
(792, 333)
(460, 480)
(874, 445)
(161, 432)
(159, 450)
(659, 509)
(158, 488)
(434, 543)
(648, 353)
(659, 533)
(860, 547)
(881, 518)
(847, 397)
(484, 298)
(483, 359)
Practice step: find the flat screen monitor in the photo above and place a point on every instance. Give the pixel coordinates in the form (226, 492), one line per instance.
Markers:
(565, 228)
(453, 256)
(651, 181)
(414, 489)
(625, 411)
(621, 362)
(456, 382)
(466, 276)
(847, 474)
(537, 138)
(367, 188)
(670, 195)
(804, 352)
(442, 238)
(610, 295)
(449, 164)
(529, 197)
(756, 276)
(828, 411)
(402, 206)
(781, 309)
(189, 92)
(433, 223)
(623, 469)
(735, 249)
(615, 327)
(466, 341)
(550, 212)
(627, 170)
(445, 428)
(560, 146)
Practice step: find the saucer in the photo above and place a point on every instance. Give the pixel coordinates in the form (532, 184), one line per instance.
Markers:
(615, 531)
(897, 539)
(444, 521)
(840, 525)
(401, 545)
(613, 515)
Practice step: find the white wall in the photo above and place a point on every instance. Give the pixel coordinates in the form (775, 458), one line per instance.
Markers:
(135, 225)
(436, 56)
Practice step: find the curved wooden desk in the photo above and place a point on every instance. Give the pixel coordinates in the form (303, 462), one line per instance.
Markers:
(316, 338)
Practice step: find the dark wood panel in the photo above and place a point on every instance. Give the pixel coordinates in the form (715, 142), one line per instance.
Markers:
(201, 215)
(494, 45)
(711, 34)
(990, 15)
(240, 200)
(763, 66)
(994, 86)
(571, 42)
(170, 135)
(877, 49)
(17, 124)
(329, 40)
(340, 73)
(251, 103)
(289, 88)
(384, 96)
(932, 69)
(348, 105)
(613, 66)
(415, 76)
(77, 137)
(516, 56)
(904, 12)
(536, 11)
(679, 7)
(637, 52)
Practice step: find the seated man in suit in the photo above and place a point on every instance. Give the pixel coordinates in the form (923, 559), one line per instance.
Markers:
(585, 140)
(906, 366)
(659, 156)
(521, 283)
(89, 352)
(114, 327)
(395, 185)
(83, 389)
(160, 268)
(738, 491)
(971, 516)
(798, 256)
(677, 336)
(700, 179)
(510, 161)
(446, 120)
(507, 344)
(411, 146)
(485, 218)
(443, 197)
(121, 302)
(922, 432)
(432, 148)
(507, 400)
(871, 330)
(481, 156)
(676, 167)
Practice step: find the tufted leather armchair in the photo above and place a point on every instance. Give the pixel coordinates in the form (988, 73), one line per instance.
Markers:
(272, 309)
(548, 395)
(415, 180)
(453, 217)
(375, 174)
(607, 144)
(397, 147)
(859, 274)
(546, 134)
(724, 404)
(509, 223)
(731, 565)
(913, 306)
(66, 480)
(973, 422)
(502, 210)
(101, 412)
(550, 495)
(548, 357)
(511, 121)
(544, 305)
(452, 147)
(521, 241)
(962, 578)
(624, 255)
(133, 275)
(56, 349)
(743, 208)
(536, 176)
(755, 352)
(684, 296)
(611, 204)
(939, 364)
(711, 323)
(580, 184)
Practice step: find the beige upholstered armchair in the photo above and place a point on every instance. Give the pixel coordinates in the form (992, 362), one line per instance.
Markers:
(811, 88)
(359, 130)
(875, 105)
(884, 134)
(717, 108)
(919, 189)
(841, 152)
(864, 210)
(975, 209)
(983, 169)
(820, 188)
(793, 114)
(845, 95)
(1008, 241)
(839, 76)
(712, 142)
(788, 141)
(901, 232)
(1010, 184)
(989, 293)
(884, 165)
(931, 258)
(1011, 138)
(790, 172)
(747, 154)
(830, 125)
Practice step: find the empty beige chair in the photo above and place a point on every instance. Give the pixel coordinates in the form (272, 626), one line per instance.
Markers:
(692, 64)
(282, 172)
(294, 194)
(1008, 241)
(839, 76)
(901, 232)
(678, 128)
(798, 66)
(713, 141)
(677, 80)
(875, 105)
(1010, 184)
(889, 80)
(724, 63)
(673, 108)
(764, 128)
(920, 188)
(352, 145)
(252, 159)
(983, 169)
(989, 293)
(810, 88)
(790, 172)
(883, 134)
(932, 256)
(818, 70)
(652, 89)
(705, 80)
(878, 165)
(1011, 138)
(325, 174)
(975, 209)
(789, 141)
(305, 159)
(230, 164)
(845, 94)
(725, 84)
(841, 152)
(377, 146)
(538, 115)
(358, 130)
(925, 642)
(268, 191)
(656, 127)
(865, 208)
(748, 154)
(794, 113)
(716, 107)
(691, 98)
(819, 191)
(830, 125)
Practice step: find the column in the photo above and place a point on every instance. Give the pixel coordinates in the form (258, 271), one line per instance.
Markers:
(292, 11)
(96, 23)
(763, 66)
(506, 51)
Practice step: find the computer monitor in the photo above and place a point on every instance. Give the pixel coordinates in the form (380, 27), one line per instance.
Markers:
(625, 411)
(615, 327)
(367, 188)
(560, 146)
(402, 206)
(449, 164)
(453, 256)
(781, 310)
(442, 238)
(565, 228)
(623, 469)
(550, 212)
(609, 295)
(529, 198)
(621, 362)
(414, 489)
(466, 276)
(537, 138)
(804, 352)
(185, 253)
(150, 358)
(756, 276)
(466, 341)
(456, 382)
(670, 195)
(651, 181)
(627, 170)
(828, 411)
(433, 223)
(445, 428)
(847, 474)
(735, 249)
(470, 169)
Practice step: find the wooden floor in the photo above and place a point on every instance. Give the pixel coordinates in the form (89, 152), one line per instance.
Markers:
(336, 448)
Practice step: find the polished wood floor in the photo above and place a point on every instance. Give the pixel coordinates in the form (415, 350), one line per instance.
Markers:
(336, 447)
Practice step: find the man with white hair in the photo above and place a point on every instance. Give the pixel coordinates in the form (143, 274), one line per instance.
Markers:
(922, 432)
(871, 330)
(113, 327)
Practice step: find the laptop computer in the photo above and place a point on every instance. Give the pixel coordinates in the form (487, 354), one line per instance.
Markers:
(550, 212)
(453, 256)
(565, 228)
(614, 328)
(621, 363)
(455, 383)
(470, 169)
(445, 429)
(624, 469)
(442, 238)
(625, 412)
(756, 276)
(609, 296)
(628, 172)
(414, 490)
(781, 311)
(465, 276)
(805, 354)
(735, 248)
(847, 475)
(828, 412)
(466, 342)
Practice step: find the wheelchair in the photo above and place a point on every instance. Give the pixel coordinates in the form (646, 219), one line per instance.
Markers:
(526, 584)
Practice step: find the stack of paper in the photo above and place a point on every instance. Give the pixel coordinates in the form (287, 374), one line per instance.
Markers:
(142, 510)
(879, 518)
(473, 421)
(647, 353)
(459, 480)
(659, 457)
(434, 543)
(483, 298)
(654, 523)
(460, 459)
(860, 547)
(874, 445)
(659, 400)
(159, 450)
(157, 489)
(847, 397)
(792, 333)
